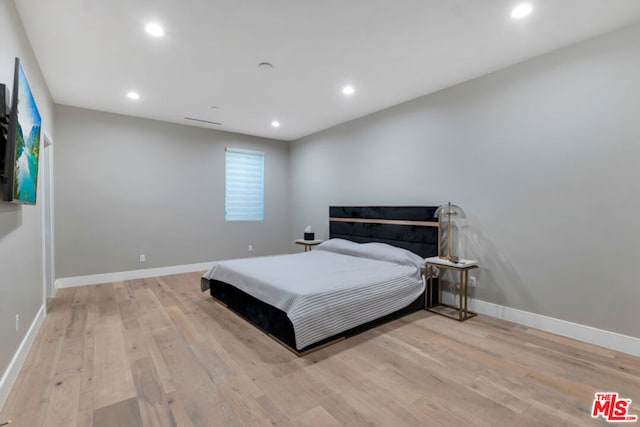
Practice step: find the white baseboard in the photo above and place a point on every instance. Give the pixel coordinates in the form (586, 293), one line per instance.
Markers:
(14, 367)
(95, 279)
(588, 334)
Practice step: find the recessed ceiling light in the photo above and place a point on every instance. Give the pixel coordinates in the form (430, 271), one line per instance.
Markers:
(275, 124)
(154, 29)
(133, 95)
(348, 90)
(265, 65)
(522, 10)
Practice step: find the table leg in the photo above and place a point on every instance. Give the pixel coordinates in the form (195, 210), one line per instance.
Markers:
(428, 302)
(460, 293)
(429, 284)
(466, 290)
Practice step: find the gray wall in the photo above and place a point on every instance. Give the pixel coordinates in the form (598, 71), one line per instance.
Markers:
(542, 156)
(21, 286)
(127, 186)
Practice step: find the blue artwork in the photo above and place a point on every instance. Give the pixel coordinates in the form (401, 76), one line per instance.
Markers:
(27, 152)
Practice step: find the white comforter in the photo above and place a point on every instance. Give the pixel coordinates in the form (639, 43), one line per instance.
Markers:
(337, 286)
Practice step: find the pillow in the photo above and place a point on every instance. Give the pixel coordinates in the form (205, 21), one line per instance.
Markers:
(378, 251)
(339, 246)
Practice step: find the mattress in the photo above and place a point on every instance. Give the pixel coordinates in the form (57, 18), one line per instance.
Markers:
(337, 286)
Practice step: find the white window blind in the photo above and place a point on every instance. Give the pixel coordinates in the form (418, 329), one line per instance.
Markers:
(244, 188)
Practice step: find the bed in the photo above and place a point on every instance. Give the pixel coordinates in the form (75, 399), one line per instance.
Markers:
(367, 273)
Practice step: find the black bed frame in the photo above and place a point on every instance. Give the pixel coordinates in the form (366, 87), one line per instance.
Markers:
(409, 227)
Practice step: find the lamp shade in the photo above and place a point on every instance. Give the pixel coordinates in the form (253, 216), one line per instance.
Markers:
(449, 209)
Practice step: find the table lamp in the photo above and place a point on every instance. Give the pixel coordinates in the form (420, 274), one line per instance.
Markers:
(444, 214)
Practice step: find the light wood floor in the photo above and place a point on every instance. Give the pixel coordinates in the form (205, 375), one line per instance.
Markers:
(159, 352)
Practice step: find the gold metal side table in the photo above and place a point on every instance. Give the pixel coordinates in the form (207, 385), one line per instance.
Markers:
(463, 266)
(308, 244)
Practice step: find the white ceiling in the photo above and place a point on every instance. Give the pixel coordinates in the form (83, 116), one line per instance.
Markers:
(92, 52)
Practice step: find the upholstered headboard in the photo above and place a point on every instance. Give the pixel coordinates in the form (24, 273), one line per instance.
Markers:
(410, 227)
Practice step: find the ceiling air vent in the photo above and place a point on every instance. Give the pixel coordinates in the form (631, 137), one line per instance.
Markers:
(203, 121)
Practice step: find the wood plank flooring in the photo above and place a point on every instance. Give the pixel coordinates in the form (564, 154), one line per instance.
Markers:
(158, 352)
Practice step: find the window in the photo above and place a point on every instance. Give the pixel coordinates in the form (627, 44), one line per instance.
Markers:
(244, 188)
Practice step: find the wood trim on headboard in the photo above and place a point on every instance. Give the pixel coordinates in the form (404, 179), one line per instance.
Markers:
(387, 221)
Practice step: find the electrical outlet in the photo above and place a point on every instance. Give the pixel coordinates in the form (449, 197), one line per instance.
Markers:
(472, 282)
(17, 322)
(250, 248)
(143, 258)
